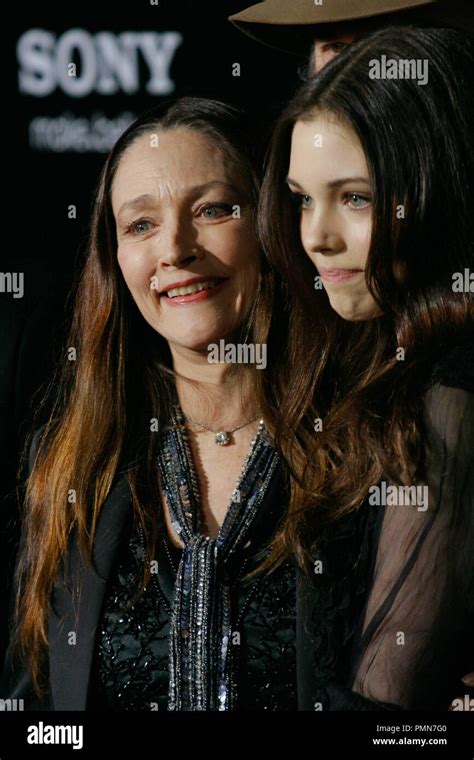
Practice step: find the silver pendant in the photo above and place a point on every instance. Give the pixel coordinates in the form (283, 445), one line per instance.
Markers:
(222, 438)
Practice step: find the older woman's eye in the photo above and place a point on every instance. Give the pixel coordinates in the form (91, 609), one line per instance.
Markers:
(138, 227)
(216, 210)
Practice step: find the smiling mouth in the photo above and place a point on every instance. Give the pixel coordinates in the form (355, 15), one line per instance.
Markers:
(193, 288)
(193, 291)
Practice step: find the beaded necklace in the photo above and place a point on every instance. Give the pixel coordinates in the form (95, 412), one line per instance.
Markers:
(201, 662)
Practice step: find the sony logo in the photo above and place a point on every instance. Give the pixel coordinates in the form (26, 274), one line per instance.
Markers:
(81, 63)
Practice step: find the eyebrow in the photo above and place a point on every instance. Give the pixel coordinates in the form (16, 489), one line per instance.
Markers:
(334, 40)
(333, 183)
(147, 200)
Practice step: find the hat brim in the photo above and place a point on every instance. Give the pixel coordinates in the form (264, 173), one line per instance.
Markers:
(283, 26)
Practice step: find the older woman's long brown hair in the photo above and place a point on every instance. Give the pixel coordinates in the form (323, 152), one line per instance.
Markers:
(100, 404)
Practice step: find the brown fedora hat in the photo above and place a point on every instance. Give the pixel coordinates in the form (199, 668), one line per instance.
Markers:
(291, 24)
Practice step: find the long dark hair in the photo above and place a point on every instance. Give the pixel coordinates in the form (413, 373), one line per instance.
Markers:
(419, 145)
(100, 405)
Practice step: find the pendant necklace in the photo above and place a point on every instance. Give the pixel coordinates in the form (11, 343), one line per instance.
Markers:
(221, 437)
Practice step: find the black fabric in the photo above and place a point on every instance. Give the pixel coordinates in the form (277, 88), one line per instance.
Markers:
(77, 602)
(131, 661)
(389, 624)
(455, 368)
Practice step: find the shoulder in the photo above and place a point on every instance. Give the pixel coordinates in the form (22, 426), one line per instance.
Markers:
(449, 398)
(455, 368)
(449, 419)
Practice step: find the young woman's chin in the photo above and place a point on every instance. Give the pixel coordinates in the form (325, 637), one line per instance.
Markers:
(354, 310)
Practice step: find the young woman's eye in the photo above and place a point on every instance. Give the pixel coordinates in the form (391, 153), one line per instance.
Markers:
(138, 227)
(356, 200)
(301, 200)
(215, 210)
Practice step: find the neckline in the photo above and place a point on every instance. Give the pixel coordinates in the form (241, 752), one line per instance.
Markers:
(190, 480)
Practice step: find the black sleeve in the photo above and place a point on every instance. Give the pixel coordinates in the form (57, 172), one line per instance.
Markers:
(417, 639)
(387, 624)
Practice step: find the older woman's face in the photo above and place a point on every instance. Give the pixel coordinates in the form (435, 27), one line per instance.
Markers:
(186, 243)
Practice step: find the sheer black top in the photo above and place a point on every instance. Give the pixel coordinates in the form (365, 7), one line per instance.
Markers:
(391, 622)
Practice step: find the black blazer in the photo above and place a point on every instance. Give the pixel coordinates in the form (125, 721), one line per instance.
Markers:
(69, 666)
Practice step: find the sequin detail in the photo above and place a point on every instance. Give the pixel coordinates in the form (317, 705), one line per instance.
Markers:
(130, 669)
(201, 656)
(251, 662)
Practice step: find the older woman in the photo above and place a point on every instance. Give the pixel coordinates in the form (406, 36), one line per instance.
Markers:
(155, 489)
(367, 210)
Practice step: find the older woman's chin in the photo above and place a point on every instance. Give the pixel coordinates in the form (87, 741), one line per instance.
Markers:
(195, 339)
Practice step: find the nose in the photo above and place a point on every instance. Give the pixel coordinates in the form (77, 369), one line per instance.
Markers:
(178, 245)
(320, 232)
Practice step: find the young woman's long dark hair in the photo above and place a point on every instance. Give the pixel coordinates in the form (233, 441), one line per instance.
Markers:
(419, 144)
(100, 404)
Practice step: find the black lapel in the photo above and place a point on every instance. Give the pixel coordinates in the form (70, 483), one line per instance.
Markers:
(76, 608)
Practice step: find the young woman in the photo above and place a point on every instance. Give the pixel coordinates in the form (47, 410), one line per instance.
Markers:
(154, 488)
(367, 212)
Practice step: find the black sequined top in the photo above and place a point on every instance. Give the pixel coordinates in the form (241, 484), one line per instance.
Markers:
(130, 670)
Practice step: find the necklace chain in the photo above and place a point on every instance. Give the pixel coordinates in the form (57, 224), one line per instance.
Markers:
(222, 437)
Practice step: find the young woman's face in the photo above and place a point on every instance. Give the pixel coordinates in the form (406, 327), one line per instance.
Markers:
(186, 242)
(329, 176)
